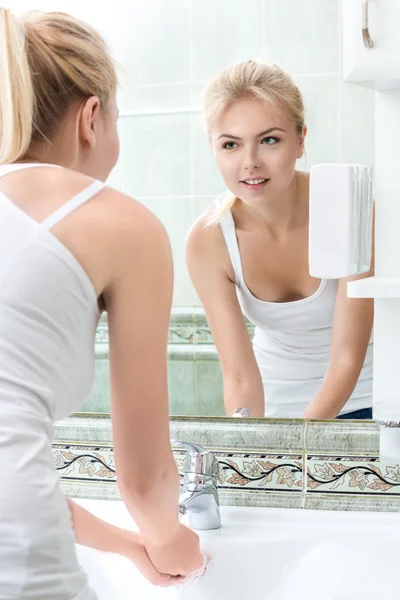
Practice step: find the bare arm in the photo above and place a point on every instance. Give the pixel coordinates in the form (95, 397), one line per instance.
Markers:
(138, 302)
(94, 533)
(205, 257)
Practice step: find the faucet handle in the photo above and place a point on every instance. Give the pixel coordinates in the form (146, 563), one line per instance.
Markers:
(198, 460)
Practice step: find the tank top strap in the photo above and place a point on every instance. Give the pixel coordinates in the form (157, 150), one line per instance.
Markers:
(65, 209)
(69, 206)
(227, 225)
(12, 168)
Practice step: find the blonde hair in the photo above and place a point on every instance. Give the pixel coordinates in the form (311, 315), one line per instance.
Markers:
(268, 83)
(47, 62)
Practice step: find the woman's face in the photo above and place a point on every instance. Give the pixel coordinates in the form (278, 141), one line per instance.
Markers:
(256, 149)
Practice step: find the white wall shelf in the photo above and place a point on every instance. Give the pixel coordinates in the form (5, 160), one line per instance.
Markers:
(374, 287)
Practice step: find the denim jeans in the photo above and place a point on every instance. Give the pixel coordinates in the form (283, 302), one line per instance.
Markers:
(362, 413)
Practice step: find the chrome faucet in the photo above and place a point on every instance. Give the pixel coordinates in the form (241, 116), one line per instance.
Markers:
(199, 498)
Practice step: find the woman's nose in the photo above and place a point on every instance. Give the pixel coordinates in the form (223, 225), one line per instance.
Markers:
(251, 160)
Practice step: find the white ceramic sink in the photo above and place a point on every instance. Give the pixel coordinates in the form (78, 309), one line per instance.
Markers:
(269, 554)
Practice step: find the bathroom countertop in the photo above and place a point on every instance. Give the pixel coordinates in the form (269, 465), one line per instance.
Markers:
(269, 554)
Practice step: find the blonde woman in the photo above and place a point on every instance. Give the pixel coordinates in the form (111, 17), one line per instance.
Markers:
(248, 255)
(70, 248)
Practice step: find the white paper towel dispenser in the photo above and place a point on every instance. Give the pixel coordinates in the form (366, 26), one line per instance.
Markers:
(340, 223)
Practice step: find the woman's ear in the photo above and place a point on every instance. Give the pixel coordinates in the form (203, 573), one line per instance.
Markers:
(301, 142)
(88, 121)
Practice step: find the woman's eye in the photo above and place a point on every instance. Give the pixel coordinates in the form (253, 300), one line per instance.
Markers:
(229, 145)
(269, 141)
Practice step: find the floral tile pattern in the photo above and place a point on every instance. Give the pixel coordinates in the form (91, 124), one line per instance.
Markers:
(240, 472)
(181, 333)
(271, 472)
(256, 471)
(250, 471)
(90, 463)
(352, 475)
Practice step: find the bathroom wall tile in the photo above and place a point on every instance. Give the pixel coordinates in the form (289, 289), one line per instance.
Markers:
(94, 490)
(154, 97)
(348, 502)
(192, 352)
(223, 33)
(246, 471)
(185, 324)
(356, 124)
(248, 477)
(116, 177)
(88, 430)
(339, 438)
(196, 302)
(152, 41)
(200, 204)
(209, 389)
(321, 115)
(181, 333)
(175, 214)
(283, 436)
(186, 315)
(99, 399)
(255, 471)
(196, 94)
(182, 388)
(88, 463)
(206, 180)
(352, 475)
(240, 497)
(155, 155)
(261, 472)
(302, 37)
(203, 334)
(101, 338)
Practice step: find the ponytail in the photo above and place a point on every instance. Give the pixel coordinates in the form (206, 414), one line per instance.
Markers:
(16, 90)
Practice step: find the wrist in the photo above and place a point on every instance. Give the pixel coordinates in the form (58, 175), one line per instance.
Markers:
(121, 541)
(317, 410)
(165, 538)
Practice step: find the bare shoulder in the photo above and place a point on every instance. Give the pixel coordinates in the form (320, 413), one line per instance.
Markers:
(132, 231)
(115, 235)
(206, 252)
(204, 239)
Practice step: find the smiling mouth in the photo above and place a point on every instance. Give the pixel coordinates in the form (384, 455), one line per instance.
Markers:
(254, 181)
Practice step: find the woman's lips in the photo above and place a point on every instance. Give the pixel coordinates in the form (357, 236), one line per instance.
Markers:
(260, 183)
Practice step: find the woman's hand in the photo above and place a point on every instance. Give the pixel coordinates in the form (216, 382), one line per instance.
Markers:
(181, 556)
(95, 533)
(136, 552)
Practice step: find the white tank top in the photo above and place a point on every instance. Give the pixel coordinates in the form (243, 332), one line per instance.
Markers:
(292, 341)
(48, 318)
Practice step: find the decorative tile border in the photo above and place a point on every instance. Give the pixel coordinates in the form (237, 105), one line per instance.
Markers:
(256, 471)
(352, 475)
(85, 463)
(188, 327)
(262, 462)
(252, 471)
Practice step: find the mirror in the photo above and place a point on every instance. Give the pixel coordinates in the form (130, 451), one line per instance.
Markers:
(168, 52)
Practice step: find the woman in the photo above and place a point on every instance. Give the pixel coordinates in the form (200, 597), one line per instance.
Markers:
(311, 354)
(71, 248)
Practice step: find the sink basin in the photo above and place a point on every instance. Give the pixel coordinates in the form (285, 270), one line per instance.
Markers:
(268, 554)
